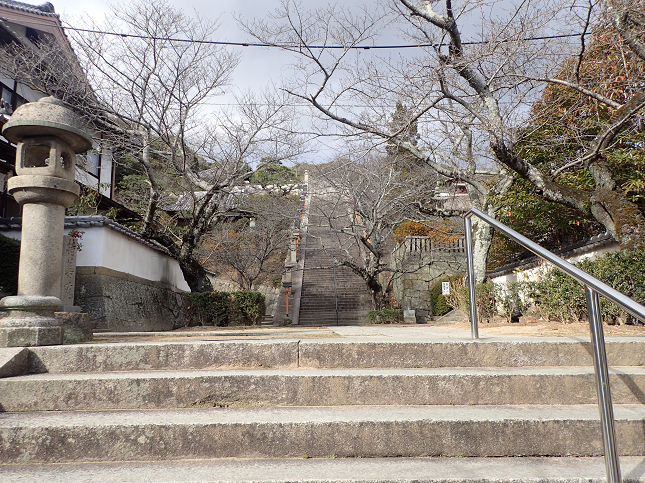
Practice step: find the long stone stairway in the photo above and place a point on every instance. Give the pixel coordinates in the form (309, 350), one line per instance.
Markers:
(398, 406)
(330, 295)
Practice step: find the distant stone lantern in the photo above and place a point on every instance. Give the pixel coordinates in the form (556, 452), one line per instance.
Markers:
(48, 137)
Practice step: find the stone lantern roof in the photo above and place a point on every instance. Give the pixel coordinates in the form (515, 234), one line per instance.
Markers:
(48, 117)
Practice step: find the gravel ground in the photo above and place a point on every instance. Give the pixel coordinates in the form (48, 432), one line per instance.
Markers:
(534, 326)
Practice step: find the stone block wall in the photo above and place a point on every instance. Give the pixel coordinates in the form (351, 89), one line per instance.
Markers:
(117, 301)
(426, 262)
(415, 286)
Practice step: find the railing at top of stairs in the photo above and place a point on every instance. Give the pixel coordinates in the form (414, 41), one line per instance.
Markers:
(593, 287)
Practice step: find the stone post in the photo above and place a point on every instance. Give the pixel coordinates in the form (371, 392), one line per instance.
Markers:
(293, 248)
(68, 281)
(48, 137)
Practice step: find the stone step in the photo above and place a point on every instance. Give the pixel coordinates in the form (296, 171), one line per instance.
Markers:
(315, 387)
(347, 431)
(331, 322)
(349, 284)
(318, 315)
(519, 352)
(329, 301)
(317, 302)
(325, 353)
(321, 320)
(347, 289)
(333, 470)
(313, 310)
(137, 356)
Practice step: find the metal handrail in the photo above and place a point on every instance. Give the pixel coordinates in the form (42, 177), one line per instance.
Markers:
(593, 287)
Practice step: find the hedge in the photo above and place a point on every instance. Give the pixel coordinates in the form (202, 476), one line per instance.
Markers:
(438, 302)
(560, 297)
(225, 308)
(247, 308)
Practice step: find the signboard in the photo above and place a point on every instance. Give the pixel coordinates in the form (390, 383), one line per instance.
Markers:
(445, 288)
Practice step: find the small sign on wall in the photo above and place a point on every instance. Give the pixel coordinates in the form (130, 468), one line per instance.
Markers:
(445, 288)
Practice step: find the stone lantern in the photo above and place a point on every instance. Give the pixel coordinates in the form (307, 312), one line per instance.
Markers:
(48, 137)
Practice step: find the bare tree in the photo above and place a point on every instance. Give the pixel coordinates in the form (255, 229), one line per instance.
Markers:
(359, 203)
(467, 100)
(604, 199)
(147, 99)
(248, 245)
(361, 94)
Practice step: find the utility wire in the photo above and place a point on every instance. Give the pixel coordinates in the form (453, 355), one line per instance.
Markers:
(283, 46)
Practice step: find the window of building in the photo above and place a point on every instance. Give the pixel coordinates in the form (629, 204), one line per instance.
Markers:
(93, 162)
(11, 97)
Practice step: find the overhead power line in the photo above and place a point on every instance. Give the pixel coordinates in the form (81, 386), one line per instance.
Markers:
(284, 46)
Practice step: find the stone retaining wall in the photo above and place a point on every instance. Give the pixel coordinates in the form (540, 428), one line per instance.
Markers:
(117, 301)
(427, 262)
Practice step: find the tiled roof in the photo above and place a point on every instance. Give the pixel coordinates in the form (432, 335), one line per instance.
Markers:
(80, 222)
(46, 9)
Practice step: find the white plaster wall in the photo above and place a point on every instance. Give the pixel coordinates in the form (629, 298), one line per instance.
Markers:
(92, 246)
(535, 274)
(106, 171)
(26, 92)
(105, 247)
(11, 234)
(20, 30)
(6, 80)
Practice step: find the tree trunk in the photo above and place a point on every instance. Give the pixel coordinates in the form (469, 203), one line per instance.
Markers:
(195, 275)
(376, 290)
(482, 239)
(623, 219)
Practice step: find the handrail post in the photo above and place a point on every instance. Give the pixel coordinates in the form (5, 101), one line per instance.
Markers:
(471, 278)
(612, 464)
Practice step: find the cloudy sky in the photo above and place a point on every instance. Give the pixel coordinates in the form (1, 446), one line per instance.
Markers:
(259, 66)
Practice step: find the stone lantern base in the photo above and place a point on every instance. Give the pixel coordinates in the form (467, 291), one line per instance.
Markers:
(31, 321)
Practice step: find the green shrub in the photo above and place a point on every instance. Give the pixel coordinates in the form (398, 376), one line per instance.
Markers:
(558, 296)
(209, 308)
(484, 299)
(440, 306)
(248, 308)
(223, 308)
(385, 316)
(9, 260)
(511, 298)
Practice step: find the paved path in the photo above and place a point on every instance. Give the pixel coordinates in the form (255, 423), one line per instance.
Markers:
(425, 333)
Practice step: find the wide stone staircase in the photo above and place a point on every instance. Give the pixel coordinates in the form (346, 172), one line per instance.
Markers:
(330, 295)
(318, 409)
(325, 289)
